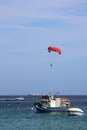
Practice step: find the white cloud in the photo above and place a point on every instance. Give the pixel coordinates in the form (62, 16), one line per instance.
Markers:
(21, 27)
(19, 12)
(36, 9)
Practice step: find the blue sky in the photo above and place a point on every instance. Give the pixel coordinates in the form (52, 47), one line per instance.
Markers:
(27, 28)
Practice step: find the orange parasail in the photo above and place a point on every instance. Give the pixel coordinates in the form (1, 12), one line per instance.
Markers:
(55, 49)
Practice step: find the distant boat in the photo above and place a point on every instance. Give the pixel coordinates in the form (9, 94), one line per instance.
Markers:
(20, 98)
(75, 111)
(48, 103)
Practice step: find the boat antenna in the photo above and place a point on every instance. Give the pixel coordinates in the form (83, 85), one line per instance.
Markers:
(49, 93)
(57, 93)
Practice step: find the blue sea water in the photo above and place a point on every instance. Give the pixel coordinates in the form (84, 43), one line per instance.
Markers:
(18, 115)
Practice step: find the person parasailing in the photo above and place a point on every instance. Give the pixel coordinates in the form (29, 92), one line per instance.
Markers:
(54, 49)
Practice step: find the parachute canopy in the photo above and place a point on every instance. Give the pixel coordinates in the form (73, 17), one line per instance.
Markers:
(55, 49)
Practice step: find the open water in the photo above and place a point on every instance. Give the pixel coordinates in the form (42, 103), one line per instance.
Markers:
(18, 115)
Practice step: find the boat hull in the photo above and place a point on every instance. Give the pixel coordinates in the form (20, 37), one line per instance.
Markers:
(40, 109)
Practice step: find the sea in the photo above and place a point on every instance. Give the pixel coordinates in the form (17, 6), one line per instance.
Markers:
(21, 115)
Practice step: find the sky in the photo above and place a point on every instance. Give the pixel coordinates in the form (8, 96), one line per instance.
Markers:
(27, 29)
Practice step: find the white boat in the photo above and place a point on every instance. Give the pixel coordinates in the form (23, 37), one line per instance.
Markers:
(19, 98)
(75, 111)
(48, 104)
